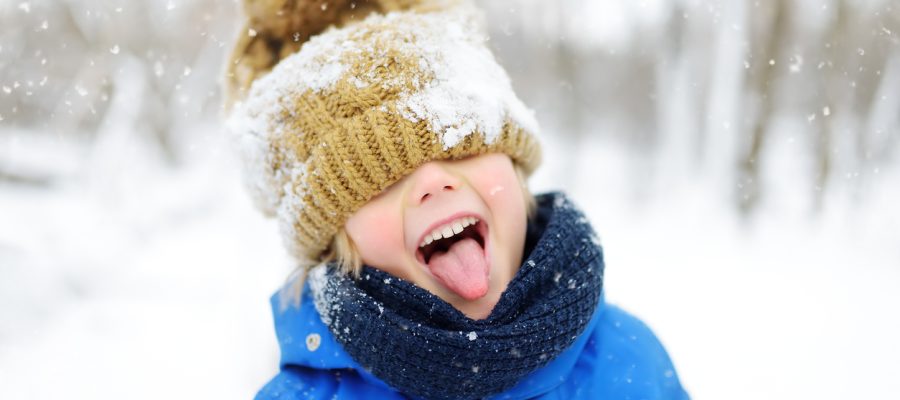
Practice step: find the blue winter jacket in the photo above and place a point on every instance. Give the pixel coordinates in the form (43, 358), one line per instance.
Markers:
(617, 357)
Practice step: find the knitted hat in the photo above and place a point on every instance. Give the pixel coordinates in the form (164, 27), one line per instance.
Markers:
(363, 104)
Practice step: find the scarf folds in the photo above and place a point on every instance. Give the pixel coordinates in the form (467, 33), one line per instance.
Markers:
(422, 346)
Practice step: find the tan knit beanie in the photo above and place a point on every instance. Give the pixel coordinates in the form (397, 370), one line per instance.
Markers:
(362, 104)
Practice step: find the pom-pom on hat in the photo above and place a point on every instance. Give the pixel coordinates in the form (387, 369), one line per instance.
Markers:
(362, 104)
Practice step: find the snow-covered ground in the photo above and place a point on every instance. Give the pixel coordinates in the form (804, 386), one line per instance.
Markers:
(131, 280)
(127, 278)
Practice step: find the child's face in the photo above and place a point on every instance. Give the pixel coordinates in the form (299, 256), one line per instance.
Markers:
(470, 269)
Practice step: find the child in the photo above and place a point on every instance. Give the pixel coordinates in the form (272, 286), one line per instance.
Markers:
(394, 153)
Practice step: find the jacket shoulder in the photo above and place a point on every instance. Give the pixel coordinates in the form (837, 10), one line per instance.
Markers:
(623, 359)
(297, 382)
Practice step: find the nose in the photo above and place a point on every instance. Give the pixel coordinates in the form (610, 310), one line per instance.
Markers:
(431, 180)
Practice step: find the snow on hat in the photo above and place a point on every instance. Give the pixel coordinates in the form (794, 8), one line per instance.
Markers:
(362, 104)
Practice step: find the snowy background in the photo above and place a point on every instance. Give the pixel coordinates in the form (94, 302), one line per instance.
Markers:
(739, 160)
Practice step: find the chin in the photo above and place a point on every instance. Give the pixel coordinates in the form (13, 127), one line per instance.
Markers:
(481, 308)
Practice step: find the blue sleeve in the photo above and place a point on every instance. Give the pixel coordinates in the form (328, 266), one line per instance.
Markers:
(629, 362)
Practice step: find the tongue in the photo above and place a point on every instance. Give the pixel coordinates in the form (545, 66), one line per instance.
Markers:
(462, 269)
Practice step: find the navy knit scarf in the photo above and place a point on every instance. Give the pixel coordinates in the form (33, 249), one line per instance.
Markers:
(422, 346)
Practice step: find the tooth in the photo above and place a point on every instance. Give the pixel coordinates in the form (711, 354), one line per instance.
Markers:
(447, 232)
(473, 220)
(428, 239)
(436, 235)
(457, 227)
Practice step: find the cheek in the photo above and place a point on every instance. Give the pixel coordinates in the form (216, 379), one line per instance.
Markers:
(377, 235)
(498, 185)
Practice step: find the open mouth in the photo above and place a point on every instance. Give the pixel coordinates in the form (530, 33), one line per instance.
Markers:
(441, 239)
(455, 253)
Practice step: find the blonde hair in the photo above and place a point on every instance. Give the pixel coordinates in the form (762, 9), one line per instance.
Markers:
(343, 252)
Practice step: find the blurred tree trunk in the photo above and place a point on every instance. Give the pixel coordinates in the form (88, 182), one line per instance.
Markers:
(765, 56)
